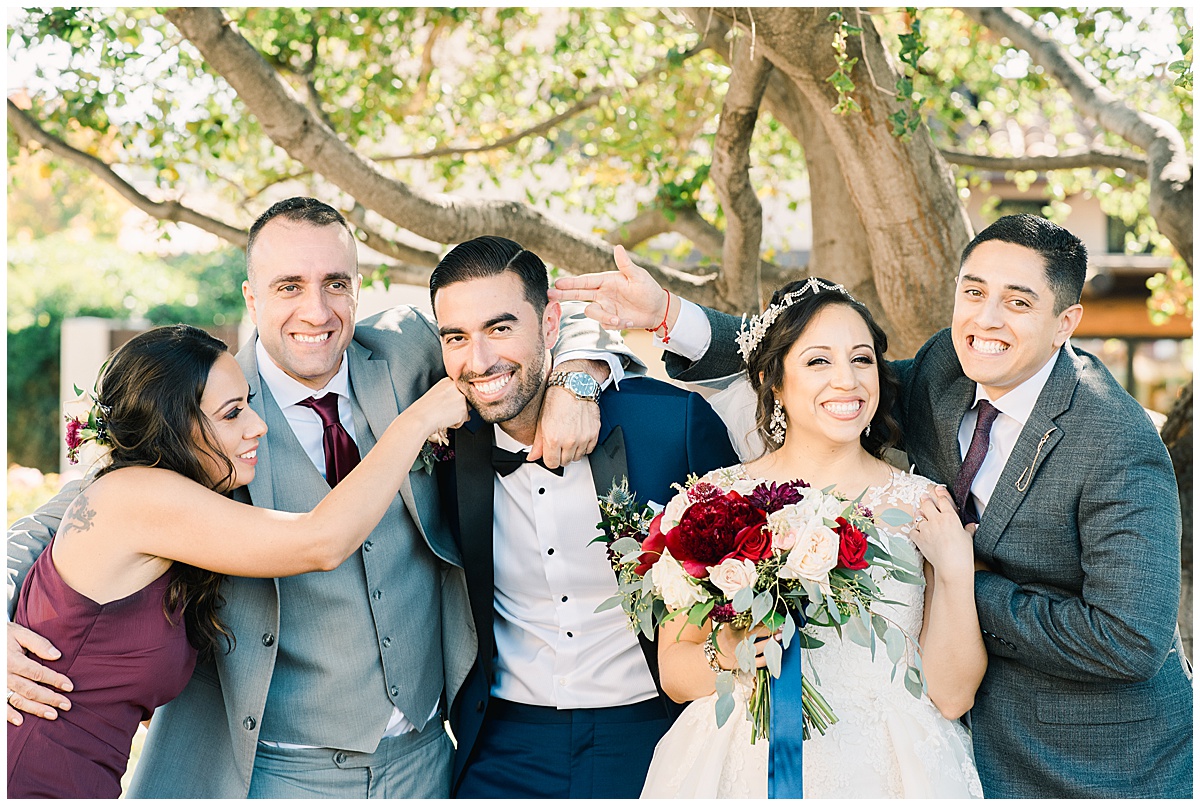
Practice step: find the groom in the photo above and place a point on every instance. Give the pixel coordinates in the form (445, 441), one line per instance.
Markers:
(1087, 692)
(563, 701)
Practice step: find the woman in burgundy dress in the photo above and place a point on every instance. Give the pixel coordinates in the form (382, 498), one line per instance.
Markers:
(128, 590)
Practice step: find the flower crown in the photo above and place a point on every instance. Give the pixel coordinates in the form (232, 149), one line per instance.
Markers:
(750, 335)
(94, 429)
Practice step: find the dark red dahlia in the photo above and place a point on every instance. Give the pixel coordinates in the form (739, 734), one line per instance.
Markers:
(718, 528)
(771, 497)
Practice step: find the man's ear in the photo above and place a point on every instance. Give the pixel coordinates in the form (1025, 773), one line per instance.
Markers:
(551, 319)
(248, 296)
(1068, 320)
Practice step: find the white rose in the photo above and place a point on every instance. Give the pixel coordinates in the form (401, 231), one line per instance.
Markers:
(677, 588)
(813, 555)
(673, 513)
(817, 504)
(732, 575)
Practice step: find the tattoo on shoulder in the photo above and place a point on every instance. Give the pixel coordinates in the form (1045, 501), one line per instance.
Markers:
(79, 515)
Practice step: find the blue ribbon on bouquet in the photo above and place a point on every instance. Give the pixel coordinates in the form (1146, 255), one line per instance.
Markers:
(785, 769)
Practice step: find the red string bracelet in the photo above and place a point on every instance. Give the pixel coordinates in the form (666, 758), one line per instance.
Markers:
(666, 339)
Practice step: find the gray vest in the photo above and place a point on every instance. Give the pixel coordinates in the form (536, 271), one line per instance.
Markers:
(346, 636)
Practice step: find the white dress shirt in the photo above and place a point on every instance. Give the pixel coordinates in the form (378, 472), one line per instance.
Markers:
(1015, 407)
(552, 648)
(309, 430)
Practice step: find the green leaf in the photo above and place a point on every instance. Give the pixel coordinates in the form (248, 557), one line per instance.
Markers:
(773, 654)
(912, 682)
(743, 599)
(893, 516)
(699, 612)
(762, 604)
(609, 603)
(723, 708)
(745, 653)
(789, 629)
(624, 545)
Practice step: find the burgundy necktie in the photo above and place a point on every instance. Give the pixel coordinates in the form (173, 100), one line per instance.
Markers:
(341, 454)
(973, 461)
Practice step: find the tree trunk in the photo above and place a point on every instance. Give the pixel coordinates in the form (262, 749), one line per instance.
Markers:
(1177, 434)
(913, 223)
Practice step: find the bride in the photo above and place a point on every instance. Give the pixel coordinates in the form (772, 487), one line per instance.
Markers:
(824, 398)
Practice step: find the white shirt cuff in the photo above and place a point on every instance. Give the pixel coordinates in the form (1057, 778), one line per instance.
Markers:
(692, 334)
(616, 372)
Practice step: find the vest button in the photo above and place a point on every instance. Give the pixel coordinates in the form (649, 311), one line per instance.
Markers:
(479, 707)
(248, 723)
(268, 639)
(386, 642)
(367, 546)
(395, 691)
(339, 757)
(378, 595)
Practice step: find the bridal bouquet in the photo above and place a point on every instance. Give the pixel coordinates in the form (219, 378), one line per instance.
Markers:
(752, 555)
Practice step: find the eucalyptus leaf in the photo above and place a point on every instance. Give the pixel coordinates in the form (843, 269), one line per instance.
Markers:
(789, 630)
(894, 639)
(856, 632)
(609, 603)
(745, 654)
(724, 708)
(893, 516)
(646, 623)
(762, 604)
(912, 682)
(773, 653)
(742, 599)
(624, 545)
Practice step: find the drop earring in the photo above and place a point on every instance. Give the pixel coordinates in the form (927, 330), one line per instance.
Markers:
(778, 425)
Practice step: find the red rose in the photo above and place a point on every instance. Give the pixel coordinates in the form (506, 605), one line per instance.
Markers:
(753, 544)
(652, 547)
(852, 545)
(712, 530)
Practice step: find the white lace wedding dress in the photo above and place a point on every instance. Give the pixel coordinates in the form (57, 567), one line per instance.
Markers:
(886, 742)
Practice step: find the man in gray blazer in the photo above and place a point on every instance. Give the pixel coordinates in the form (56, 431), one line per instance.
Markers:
(1087, 692)
(339, 682)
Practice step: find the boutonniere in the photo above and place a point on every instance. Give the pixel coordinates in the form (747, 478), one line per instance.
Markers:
(436, 449)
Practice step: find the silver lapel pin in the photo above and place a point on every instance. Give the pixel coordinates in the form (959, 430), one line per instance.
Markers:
(1023, 481)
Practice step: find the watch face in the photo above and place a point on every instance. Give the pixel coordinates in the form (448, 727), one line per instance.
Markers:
(582, 384)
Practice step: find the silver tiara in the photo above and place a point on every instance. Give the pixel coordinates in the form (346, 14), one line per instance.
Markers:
(751, 334)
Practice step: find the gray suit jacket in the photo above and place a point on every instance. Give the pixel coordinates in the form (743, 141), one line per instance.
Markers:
(1087, 692)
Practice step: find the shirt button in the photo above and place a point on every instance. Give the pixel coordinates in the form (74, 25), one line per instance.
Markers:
(395, 691)
(564, 598)
(378, 595)
(541, 490)
(562, 681)
(268, 639)
(570, 634)
(249, 722)
(549, 551)
(367, 545)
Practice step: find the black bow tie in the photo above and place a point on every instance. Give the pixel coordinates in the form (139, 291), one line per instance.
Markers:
(505, 462)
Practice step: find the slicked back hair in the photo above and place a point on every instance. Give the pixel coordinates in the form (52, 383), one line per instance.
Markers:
(489, 256)
(1064, 256)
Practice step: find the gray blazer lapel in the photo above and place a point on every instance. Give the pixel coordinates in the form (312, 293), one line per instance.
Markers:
(1037, 440)
(959, 397)
(260, 489)
(371, 380)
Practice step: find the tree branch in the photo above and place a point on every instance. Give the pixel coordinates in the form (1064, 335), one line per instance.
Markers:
(1087, 158)
(1170, 169)
(587, 102)
(28, 130)
(738, 284)
(418, 258)
(437, 217)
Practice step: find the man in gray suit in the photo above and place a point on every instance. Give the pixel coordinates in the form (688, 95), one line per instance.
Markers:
(1087, 692)
(338, 683)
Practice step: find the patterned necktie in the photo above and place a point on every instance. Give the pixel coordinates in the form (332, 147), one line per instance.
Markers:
(505, 462)
(973, 461)
(341, 454)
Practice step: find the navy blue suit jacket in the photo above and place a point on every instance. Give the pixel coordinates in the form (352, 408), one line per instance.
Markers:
(651, 432)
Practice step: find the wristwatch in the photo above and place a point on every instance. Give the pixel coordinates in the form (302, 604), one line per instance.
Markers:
(580, 384)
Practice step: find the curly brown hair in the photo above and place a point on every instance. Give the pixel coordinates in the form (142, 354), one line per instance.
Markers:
(765, 365)
(150, 391)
